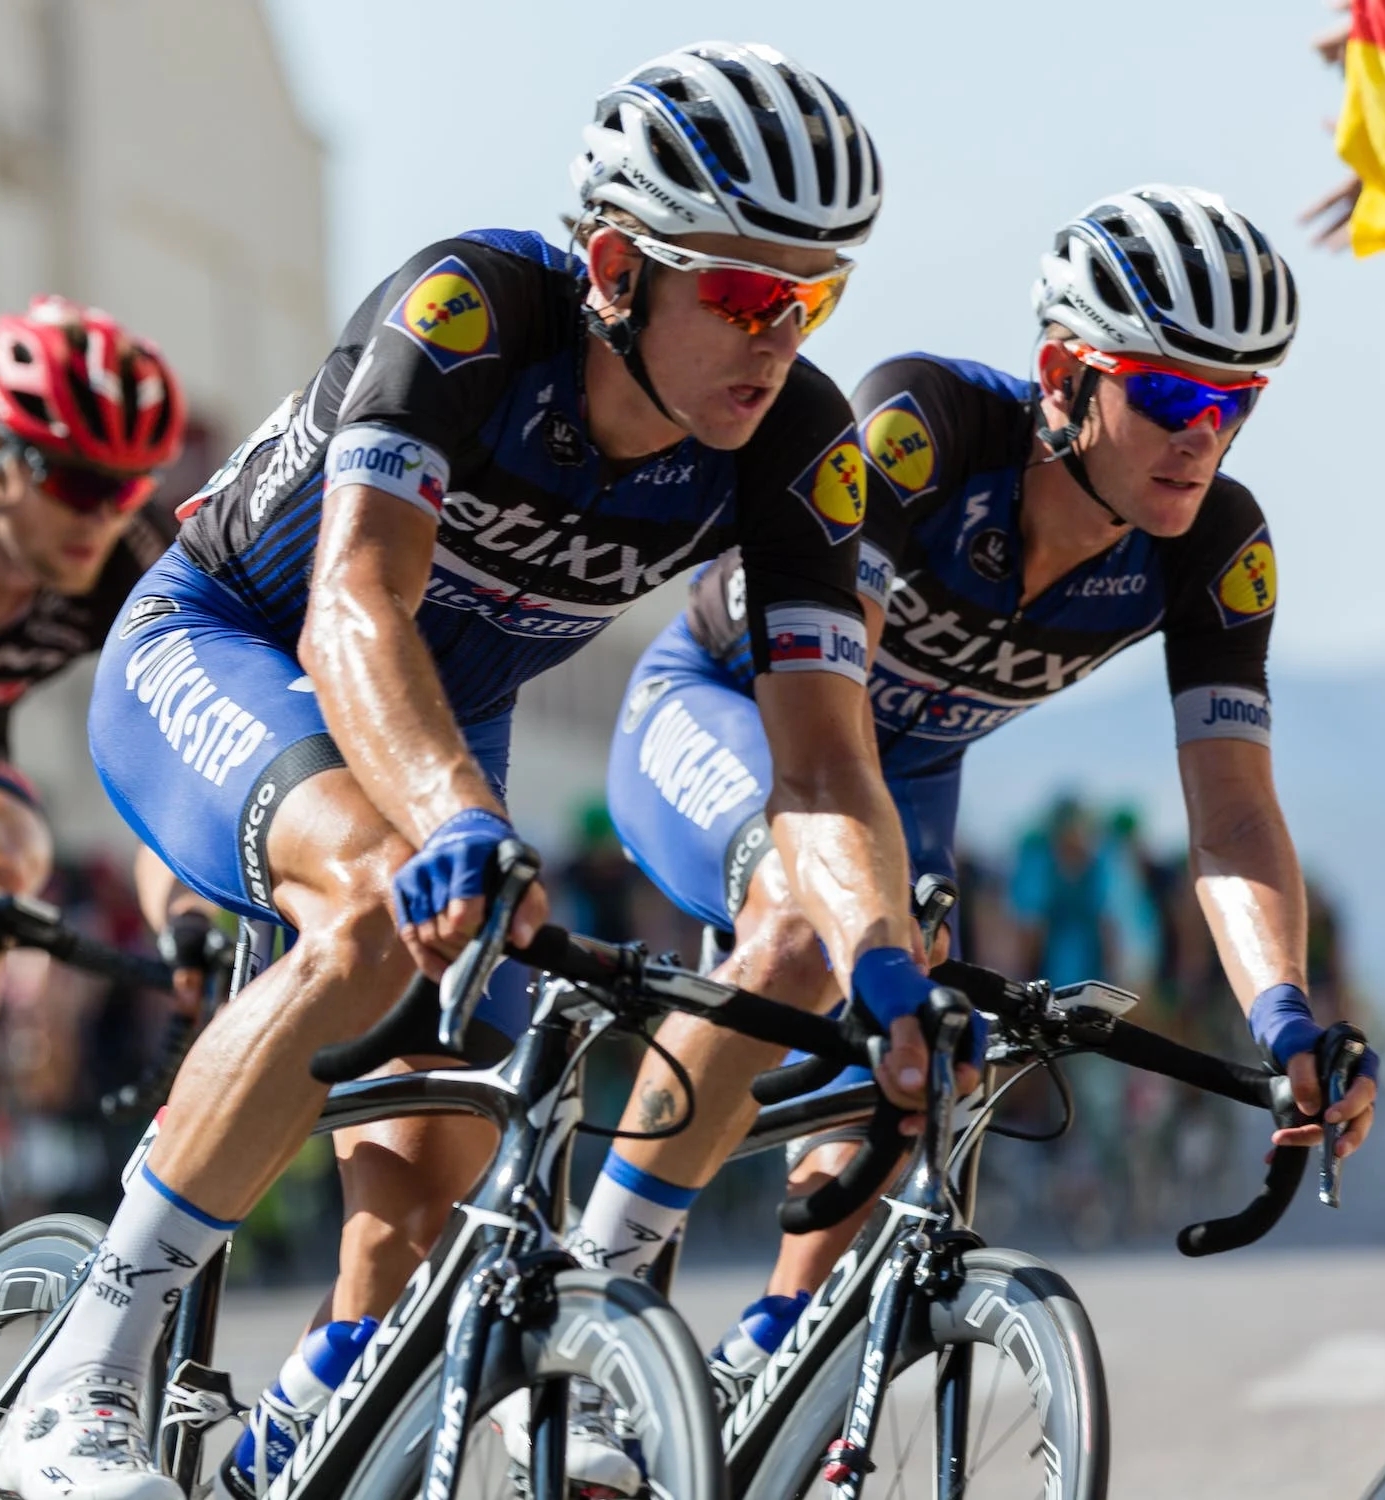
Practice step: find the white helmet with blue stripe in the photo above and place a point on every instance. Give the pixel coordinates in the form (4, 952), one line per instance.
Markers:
(1172, 272)
(724, 138)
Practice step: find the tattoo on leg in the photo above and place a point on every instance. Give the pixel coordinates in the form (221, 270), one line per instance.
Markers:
(656, 1107)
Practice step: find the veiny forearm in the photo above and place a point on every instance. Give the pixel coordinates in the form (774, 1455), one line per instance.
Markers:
(385, 707)
(1251, 891)
(845, 858)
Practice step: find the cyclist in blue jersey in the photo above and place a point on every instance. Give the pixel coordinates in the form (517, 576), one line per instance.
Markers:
(1017, 535)
(306, 706)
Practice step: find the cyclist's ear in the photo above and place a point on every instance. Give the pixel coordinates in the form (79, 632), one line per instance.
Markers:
(13, 476)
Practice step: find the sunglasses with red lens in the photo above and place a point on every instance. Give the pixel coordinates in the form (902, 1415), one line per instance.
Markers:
(1173, 401)
(85, 490)
(750, 296)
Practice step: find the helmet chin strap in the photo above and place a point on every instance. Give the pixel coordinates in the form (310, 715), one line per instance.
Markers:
(1062, 441)
(623, 338)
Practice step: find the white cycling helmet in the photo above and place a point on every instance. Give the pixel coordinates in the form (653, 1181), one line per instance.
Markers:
(723, 138)
(1172, 272)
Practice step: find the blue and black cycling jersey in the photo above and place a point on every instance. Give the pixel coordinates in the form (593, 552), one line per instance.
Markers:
(948, 443)
(457, 386)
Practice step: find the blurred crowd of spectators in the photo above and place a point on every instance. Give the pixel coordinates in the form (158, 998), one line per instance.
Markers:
(1081, 896)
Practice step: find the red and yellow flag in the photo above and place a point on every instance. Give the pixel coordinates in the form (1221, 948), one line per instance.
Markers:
(1361, 125)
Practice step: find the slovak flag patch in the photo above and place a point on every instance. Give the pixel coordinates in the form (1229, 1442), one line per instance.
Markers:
(795, 645)
(812, 638)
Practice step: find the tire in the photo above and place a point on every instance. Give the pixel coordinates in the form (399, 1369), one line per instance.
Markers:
(1023, 1316)
(40, 1263)
(672, 1417)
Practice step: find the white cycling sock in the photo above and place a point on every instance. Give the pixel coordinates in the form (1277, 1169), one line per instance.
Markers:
(156, 1244)
(630, 1216)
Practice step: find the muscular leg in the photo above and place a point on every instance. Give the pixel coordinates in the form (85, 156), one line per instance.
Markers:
(776, 955)
(244, 1101)
(646, 1186)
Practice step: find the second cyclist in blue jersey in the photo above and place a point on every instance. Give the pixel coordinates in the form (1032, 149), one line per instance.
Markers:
(1017, 535)
(305, 708)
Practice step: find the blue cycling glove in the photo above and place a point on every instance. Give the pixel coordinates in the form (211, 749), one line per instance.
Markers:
(451, 866)
(1283, 1025)
(890, 984)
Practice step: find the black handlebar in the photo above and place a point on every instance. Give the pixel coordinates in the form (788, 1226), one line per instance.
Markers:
(863, 1176)
(1126, 1043)
(629, 981)
(410, 1026)
(26, 923)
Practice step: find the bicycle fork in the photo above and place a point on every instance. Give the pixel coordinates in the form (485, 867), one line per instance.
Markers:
(848, 1458)
(495, 1300)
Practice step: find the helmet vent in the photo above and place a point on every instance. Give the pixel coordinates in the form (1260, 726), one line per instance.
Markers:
(21, 353)
(36, 406)
(1151, 275)
(129, 393)
(1174, 222)
(1112, 293)
(86, 403)
(670, 160)
(740, 79)
(1265, 259)
(718, 137)
(164, 417)
(772, 135)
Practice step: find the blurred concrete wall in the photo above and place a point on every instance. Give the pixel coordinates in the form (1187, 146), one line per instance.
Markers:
(152, 163)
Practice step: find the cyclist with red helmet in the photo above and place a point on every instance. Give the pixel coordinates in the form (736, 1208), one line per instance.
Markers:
(88, 414)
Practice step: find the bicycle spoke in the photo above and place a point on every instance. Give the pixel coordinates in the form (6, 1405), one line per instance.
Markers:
(1000, 1442)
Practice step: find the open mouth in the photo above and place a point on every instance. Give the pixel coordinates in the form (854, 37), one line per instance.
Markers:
(749, 398)
(1179, 486)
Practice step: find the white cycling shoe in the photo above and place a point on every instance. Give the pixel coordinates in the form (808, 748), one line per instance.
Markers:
(83, 1442)
(596, 1462)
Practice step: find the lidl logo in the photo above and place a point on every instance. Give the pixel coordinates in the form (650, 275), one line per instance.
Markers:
(446, 314)
(901, 447)
(1249, 585)
(833, 487)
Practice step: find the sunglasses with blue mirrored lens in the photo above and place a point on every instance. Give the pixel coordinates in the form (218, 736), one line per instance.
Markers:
(1173, 401)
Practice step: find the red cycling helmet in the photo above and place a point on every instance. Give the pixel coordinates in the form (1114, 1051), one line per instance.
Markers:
(80, 389)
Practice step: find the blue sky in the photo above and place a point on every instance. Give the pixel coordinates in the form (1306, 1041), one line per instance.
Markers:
(995, 122)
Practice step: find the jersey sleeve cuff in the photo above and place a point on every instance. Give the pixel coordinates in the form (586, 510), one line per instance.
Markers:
(874, 574)
(386, 459)
(1222, 712)
(812, 638)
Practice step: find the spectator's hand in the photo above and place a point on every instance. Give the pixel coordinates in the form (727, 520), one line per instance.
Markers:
(1357, 1108)
(1331, 45)
(1334, 211)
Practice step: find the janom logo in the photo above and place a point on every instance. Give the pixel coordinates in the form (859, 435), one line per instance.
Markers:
(900, 446)
(446, 313)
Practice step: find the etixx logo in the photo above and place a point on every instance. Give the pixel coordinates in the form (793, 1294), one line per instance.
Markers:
(446, 313)
(833, 487)
(1248, 586)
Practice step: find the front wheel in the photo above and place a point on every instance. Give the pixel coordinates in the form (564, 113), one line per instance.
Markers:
(1001, 1389)
(609, 1330)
